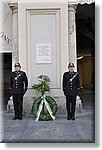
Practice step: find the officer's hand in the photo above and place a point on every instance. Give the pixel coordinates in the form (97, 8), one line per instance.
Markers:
(10, 92)
(25, 90)
(11, 98)
(24, 93)
(78, 89)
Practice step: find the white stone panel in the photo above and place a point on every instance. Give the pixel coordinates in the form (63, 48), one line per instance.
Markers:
(43, 32)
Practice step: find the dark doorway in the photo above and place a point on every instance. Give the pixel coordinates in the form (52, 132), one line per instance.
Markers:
(85, 35)
(6, 68)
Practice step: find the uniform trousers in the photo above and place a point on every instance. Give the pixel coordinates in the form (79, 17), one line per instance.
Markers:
(70, 105)
(18, 104)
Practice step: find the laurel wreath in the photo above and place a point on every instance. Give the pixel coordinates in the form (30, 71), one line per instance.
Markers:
(46, 116)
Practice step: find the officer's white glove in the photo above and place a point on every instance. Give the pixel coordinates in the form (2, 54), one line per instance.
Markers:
(11, 97)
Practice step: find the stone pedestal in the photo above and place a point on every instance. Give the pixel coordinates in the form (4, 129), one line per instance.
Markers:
(27, 105)
(72, 34)
(67, 45)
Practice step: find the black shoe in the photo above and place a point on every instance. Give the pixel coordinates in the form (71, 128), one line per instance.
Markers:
(15, 118)
(20, 118)
(73, 118)
(68, 118)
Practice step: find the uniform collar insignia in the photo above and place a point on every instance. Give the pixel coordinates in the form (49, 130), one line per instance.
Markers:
(17, 71)
(71, 72)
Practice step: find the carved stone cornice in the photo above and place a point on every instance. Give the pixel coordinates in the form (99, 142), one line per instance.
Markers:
(72, 7)
(14, 7)
(80, 1)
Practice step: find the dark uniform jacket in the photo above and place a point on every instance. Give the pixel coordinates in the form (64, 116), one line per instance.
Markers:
(71, 88)
(18, 82)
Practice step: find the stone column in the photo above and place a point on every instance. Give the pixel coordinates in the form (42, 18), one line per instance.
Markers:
(72, 34)
(14, 8)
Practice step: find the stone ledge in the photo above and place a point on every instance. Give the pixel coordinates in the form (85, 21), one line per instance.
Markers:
(28, 102)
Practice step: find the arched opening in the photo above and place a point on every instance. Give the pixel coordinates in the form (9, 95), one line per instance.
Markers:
(85, 35)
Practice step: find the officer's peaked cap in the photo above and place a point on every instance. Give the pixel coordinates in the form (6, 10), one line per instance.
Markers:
(70, 65)
(17, 64)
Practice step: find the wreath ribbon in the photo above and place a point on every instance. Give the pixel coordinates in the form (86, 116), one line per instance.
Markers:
(43, 100)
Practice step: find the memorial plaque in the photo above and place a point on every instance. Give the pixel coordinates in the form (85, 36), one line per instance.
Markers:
(43, 53)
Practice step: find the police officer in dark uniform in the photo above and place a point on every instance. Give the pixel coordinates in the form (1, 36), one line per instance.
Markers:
(71, 85)
(18, 87)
